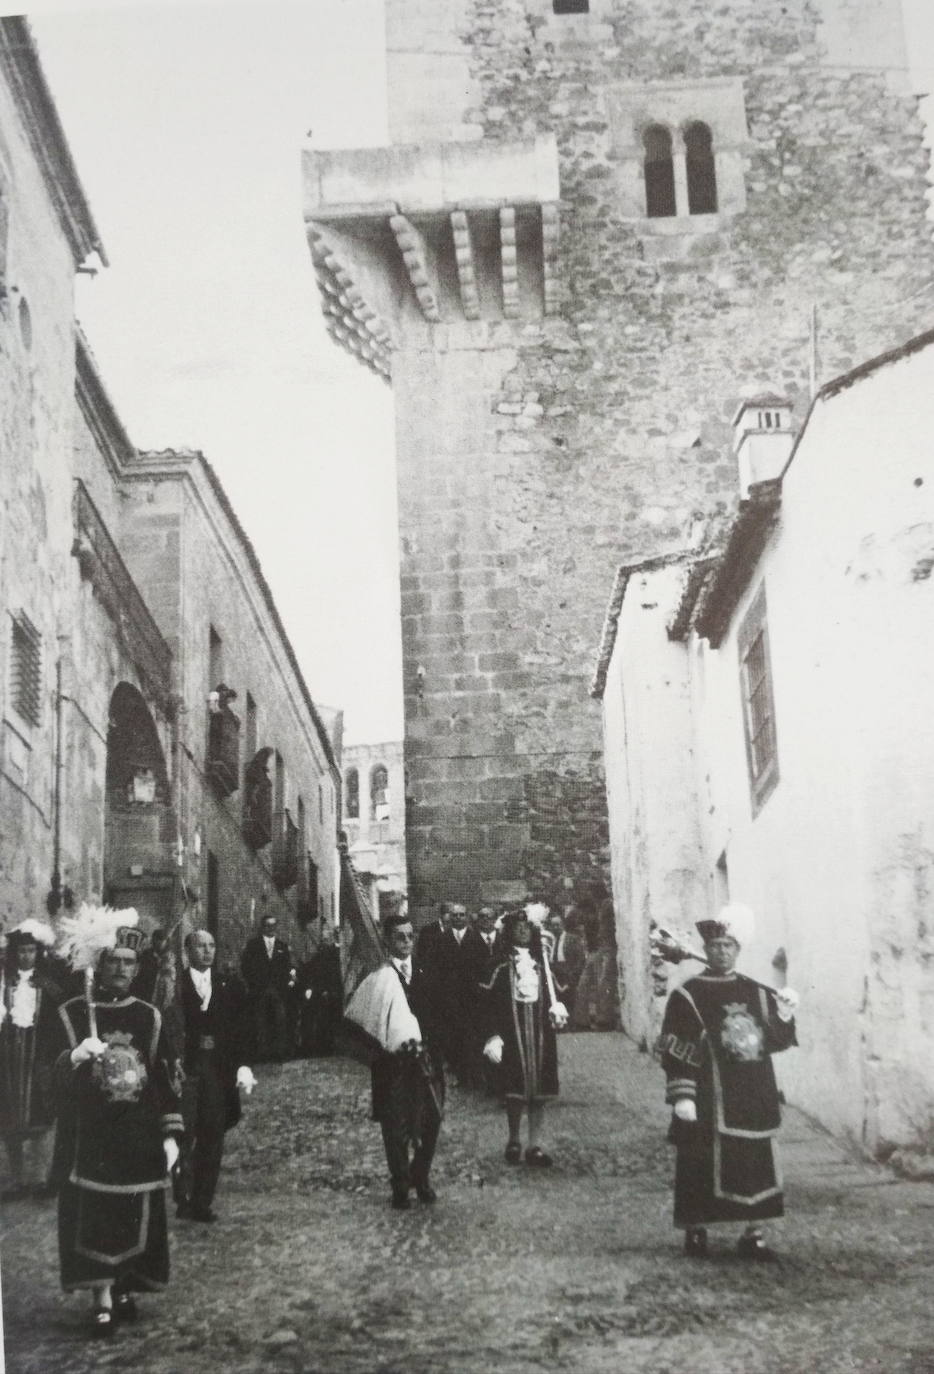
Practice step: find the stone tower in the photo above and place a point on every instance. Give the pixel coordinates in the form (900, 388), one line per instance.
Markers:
(597, 226)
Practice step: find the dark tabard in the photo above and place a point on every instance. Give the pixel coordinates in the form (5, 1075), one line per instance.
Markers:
(529, 1068)
(113, 1116)
(717, 1038)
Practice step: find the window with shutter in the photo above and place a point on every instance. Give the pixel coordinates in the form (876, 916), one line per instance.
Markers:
(26, 669)
(758, 702)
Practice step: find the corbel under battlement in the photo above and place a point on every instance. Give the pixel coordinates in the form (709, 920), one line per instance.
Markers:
(404, 238)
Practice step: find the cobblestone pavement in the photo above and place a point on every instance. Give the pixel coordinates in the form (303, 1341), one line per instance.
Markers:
(309, 1271)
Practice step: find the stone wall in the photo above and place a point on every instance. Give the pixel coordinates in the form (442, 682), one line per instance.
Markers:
(536, 455)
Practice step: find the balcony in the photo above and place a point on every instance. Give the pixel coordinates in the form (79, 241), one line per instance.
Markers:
(101, 564)
(257, 801)
(284, 851)
(306, 895)
(222, 761)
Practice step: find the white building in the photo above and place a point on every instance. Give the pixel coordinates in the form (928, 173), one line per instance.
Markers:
(770, 738)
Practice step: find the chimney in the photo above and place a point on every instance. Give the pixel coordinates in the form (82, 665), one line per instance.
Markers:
(763, 438)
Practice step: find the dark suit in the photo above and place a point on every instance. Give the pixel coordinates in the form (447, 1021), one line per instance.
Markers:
(214, 1049)
(268, 982)
(321, 1012)
(408, 1095)
(568, 968)
(476, 964)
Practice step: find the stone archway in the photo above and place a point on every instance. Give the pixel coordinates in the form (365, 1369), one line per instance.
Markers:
(139, 831)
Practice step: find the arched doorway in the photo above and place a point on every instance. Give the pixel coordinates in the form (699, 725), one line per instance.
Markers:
(139, 830)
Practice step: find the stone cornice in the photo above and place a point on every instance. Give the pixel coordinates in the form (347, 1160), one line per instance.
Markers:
(20, 63)
(98, 410)
(184, 464)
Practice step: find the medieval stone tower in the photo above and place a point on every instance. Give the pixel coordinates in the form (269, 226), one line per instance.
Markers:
(599, 222)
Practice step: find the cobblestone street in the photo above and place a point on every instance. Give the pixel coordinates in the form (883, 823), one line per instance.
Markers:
(577, 1268)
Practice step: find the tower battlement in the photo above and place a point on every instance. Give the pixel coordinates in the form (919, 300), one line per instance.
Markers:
(593, 233)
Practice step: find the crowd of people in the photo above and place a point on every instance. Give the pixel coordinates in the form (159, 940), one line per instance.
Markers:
(142, 1070)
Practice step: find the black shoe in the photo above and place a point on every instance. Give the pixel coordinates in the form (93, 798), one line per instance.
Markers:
(536, 1156)
(513, 1152)
(754, 1247)
(695, 1242)
(202, 1214)
(425, 1192)
(102, 1322)
(125, 1309)
(400, 1200)
(183, 1210)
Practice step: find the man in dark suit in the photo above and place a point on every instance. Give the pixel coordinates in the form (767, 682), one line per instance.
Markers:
(322, 990)
(215, 1069)
(568, 957)
(391, 1007)
(478, 962)
(270, 976)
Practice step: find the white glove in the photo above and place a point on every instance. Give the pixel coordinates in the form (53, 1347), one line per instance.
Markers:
(246, 1079)
(559, 1015)
(686, 1109)
(170, 1149)
(90, 1048)
(493, 1049)
(308, 994)
(786, 1000)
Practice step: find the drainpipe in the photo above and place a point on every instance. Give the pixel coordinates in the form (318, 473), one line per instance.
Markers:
(57, 895)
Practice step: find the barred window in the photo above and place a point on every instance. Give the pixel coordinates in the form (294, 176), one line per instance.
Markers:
(758, 702)
(26, 669)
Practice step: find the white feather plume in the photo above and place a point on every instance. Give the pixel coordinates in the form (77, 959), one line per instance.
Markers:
(83, 937)
(536, 913)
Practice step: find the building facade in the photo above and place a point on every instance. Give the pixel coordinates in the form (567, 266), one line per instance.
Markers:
(374, 818)
(592, 218)
(160, 747)
(769, 740)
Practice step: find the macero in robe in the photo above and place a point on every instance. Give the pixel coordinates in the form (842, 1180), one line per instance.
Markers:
(719, 1033)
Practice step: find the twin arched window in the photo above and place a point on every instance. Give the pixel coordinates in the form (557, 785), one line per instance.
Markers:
(659, 163)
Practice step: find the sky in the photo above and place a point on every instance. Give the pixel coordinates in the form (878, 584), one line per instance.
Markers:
(186, 121)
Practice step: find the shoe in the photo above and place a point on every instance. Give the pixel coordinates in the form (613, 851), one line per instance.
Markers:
(425, 1192)
(125, 1309)
(695, 1242)
(202, 1214)
(513, 1152)
(102, 1322)
(400, 1201)
(183, 1210)
(754, 1247)
(535, 1156)
(14, 1194)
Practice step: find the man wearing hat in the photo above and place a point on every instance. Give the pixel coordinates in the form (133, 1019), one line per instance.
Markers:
(119, 1124)
(28, 1003)
(719, 1033)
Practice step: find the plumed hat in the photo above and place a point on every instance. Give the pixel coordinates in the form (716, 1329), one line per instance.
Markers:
(732, 922)
(32, 930)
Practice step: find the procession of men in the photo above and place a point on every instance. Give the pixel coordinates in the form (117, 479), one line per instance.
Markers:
(143, 1092)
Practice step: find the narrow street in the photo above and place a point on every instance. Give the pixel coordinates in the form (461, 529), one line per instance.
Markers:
(577, 1268)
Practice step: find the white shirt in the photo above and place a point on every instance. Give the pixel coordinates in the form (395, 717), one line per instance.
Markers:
(404, 967)
(201, 977)
(488, 939)
(270, 942)
(23, 1000)
(525, 974)
(458, 934)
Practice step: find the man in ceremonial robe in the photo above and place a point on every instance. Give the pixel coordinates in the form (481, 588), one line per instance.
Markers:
(119, 1122)
(215, 1062)
(719, 1033)
(522, 1014)
(394, 1010)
